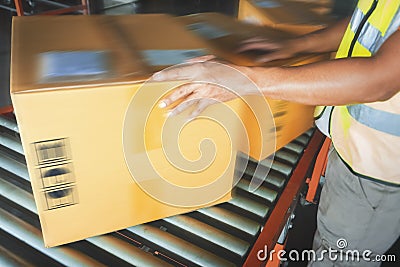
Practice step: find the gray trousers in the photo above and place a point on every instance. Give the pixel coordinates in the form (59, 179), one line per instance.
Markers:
(355, 216)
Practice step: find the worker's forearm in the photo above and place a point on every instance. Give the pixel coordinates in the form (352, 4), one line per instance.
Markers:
(336, 82)
(326, 40)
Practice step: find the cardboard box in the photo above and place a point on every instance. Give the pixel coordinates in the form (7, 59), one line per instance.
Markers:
(294, 17)
(224, 36)
(320, 7)
(290, 120)
(95, 141)
(92, 132)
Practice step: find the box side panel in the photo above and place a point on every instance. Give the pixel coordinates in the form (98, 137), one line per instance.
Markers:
(75, 155)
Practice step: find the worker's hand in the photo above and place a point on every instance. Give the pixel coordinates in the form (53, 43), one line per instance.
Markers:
(210, 82)
(273, 50)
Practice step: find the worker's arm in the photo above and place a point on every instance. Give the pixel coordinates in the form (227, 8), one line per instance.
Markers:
(325, 40)
(334, 82)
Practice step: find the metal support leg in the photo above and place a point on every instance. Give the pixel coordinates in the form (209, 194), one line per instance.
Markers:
(19, 8)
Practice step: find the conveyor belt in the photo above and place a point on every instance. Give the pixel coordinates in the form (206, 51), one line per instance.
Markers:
(222, 235)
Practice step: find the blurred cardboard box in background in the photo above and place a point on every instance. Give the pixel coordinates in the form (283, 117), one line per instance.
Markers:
(321, 7)
(290, 16)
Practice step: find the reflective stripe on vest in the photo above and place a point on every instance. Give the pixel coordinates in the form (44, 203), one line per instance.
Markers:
(367, 136)
(377, 119)
(371, 37)
(383, 22)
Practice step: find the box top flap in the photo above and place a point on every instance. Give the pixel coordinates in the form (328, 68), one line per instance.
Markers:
(225, 34)
(78, 51)
(285, 12)
(234, 26)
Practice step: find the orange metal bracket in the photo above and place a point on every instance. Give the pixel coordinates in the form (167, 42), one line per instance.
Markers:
(319, 170)
(274, 261)
(18, 7)
(279, 215)
(7, 109)
(84, 7)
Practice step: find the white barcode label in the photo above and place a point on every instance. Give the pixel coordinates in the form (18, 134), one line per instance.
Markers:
(72, 65)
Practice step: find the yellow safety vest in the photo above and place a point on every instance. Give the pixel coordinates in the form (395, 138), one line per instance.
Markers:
(367, 136)
(321, 117)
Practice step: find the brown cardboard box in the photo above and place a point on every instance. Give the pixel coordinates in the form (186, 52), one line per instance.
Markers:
(293, 17)
(321, 7)
(88, 136)
(224, 35)
(92, 139)
(290, 119)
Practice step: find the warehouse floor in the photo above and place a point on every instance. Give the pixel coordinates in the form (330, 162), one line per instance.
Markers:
(300, 236)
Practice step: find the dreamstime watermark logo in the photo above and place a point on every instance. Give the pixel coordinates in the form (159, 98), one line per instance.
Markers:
(190, 163)
(341, 254)
(341, 243)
